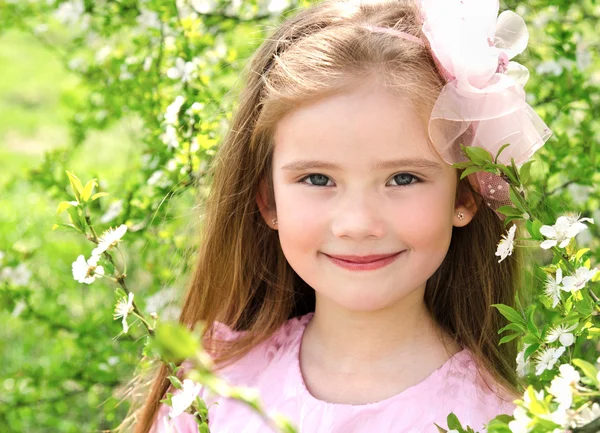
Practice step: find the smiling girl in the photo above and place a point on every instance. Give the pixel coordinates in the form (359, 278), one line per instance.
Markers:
(345, 270)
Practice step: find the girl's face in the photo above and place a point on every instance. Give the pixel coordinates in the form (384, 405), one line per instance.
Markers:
(353, 174)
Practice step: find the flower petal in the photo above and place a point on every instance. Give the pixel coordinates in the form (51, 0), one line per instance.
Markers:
(548, 231)
(512, 35)
(546, 245)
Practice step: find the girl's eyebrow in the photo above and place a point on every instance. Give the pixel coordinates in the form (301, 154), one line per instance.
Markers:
(382, 165)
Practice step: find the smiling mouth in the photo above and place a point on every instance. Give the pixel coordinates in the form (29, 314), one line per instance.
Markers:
(363, 259)
(363, 263)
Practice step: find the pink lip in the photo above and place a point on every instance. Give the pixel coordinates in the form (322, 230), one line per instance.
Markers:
(364, 263)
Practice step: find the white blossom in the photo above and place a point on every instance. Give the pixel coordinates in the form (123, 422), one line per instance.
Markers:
(521, 422)
(204, 6)
(122, 309)
(278, 6)
(20, 306)
(182, 70)
(86, 271)
(562, 385)
(506, 244)
(170, 137)
(156, 176)
(113, 211)
(553, 287)
(184, 397)
(125, 75)
(70, 12)
(18, 276)
(578, 223)
(587, 414)
(103, 54)
(522, 364)
(110, 238)
(173, 109)
(547, 358)
(576, 282)
(147, 63)
(561, 233)
(148, 19)
(561, 333)
(583, 57)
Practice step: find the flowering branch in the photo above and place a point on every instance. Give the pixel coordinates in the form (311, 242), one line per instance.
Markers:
(171, 343)
(539, 410)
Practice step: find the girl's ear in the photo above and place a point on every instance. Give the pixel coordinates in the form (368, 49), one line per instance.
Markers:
(465, 207)
(264, 200)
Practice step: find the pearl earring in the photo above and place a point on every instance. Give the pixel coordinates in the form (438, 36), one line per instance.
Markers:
(461, 215)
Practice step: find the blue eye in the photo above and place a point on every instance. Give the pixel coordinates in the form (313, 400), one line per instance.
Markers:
(405, 179)
(401, 179)
(316, 179)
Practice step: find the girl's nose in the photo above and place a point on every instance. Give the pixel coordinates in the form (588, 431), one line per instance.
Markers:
(358, 218)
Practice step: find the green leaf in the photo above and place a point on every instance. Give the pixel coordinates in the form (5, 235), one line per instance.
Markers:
(530, 350)
(525, 171)
(499, 424)
(469, 171)
(175, 382)
(531, 339)
(535, 230)
(585, 306)
(517, 200)
(453, 422)
(500, 151)
(63, 205)
(462, 165)
(515, 170)
(66, 226)
(76, 185)
(479, 155)
(87, 190)
(588, 369)
(510, 211)
(440, 429)
(580, 253)
(594, 331)
(508, 173)
(99, 194)
(174, 342)
(76, 218)
(508, 338)
(536, 406)
(509, 313)
(530, 323)
(517, 327)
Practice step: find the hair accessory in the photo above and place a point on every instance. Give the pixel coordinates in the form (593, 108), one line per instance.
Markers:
(274, 221)
(483, 102)
(461, 215)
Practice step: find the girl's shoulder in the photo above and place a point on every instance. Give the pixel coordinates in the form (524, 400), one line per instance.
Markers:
(275, 349)
(274, 354)
(472, 392)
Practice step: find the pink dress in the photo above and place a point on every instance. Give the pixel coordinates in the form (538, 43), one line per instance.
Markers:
(273, 368)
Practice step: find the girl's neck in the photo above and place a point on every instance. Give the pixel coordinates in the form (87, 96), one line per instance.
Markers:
(357, 342)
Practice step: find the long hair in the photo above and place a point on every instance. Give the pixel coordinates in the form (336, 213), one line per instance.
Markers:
(242, 278)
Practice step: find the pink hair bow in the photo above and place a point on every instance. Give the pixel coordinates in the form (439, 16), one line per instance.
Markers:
(483, 103)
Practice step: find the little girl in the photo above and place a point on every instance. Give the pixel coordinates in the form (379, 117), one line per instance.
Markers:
(346, 271)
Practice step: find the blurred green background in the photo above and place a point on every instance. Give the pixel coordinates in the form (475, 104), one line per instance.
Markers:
(69, 103)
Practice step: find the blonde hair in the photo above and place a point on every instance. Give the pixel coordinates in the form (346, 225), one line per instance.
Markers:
(242, 277)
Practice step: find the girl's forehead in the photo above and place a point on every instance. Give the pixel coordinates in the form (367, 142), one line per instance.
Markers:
(365, 123)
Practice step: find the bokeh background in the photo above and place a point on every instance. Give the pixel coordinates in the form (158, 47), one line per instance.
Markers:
(137, 94)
